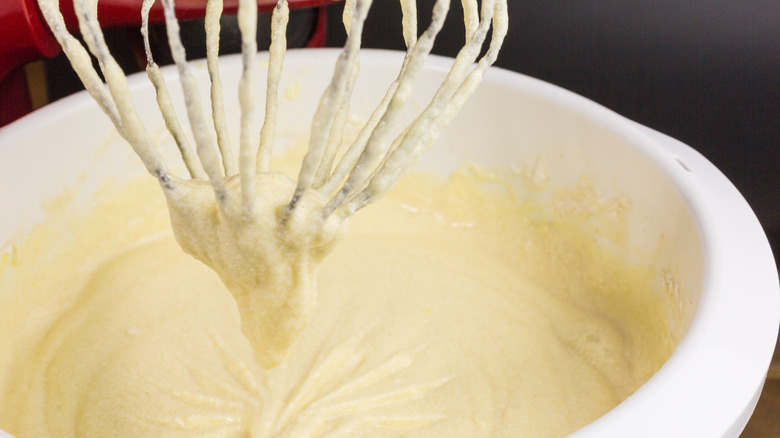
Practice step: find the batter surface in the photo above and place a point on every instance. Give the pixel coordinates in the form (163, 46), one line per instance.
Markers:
(448, 309)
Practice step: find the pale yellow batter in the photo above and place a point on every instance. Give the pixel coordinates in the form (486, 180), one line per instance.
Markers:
(446, 310)
(449, 310)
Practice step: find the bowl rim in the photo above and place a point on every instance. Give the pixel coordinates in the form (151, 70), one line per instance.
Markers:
(733, 333)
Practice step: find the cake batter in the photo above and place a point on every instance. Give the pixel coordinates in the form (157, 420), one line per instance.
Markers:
(447, 310)
(444, 311)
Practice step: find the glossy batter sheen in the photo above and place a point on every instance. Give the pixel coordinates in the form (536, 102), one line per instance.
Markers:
(446, 310)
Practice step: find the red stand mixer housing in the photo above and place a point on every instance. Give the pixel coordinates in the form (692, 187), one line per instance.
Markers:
(25, 37)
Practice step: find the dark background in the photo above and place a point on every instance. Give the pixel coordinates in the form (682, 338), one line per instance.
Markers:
(706, 72)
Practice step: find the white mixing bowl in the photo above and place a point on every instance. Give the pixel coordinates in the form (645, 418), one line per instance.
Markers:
(729, 299)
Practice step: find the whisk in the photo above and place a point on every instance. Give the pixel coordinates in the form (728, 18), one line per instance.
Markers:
(260, 231)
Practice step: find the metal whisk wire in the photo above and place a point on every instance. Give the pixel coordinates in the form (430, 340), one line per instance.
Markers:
(261, 232)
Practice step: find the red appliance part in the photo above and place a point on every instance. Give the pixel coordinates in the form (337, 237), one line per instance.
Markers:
(25, 37)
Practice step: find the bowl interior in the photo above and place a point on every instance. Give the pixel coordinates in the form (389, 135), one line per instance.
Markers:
(512, 122)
